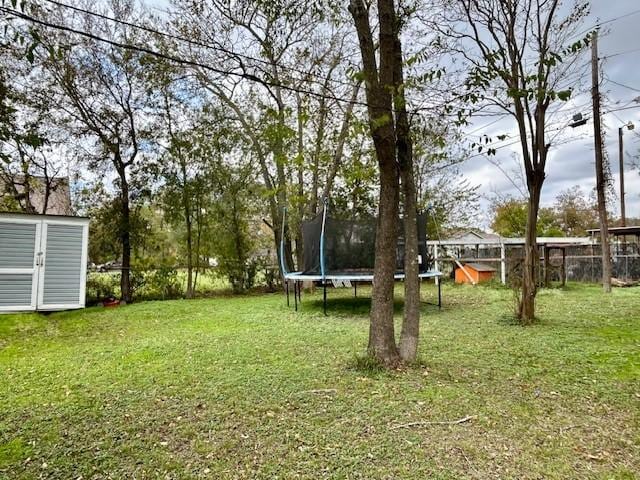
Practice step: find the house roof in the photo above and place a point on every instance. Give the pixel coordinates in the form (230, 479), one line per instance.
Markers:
(618, 231)
(58, 201)
(480, 267)
(473, 235)
(510, 241)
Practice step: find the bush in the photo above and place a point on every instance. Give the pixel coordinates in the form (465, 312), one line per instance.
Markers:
(164, 282)
(102, 286)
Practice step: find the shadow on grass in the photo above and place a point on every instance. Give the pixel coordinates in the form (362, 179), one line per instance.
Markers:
(348, 306)
(360, 306)
(509, 318)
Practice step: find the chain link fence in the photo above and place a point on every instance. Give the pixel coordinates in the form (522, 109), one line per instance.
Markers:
(583, 262)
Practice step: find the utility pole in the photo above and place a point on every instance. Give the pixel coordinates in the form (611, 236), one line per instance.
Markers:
(601, 183)
(623, 217)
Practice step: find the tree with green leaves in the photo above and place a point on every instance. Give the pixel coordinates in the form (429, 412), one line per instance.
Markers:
(28, 172)
(389, 125)
(101, 97)
(290, 95)
(519, 54)
(442, 190)
(575, 212)
(510, 219)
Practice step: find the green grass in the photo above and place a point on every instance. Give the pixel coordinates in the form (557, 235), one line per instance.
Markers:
(243, 387)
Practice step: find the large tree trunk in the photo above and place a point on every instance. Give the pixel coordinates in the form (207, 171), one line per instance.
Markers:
(125, 238)
(381, 330)
(526, 309)
(382, 344)
(409, 335)
(300, 192)
(408, 346)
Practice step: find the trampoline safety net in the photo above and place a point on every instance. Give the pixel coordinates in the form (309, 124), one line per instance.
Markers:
(349, 246)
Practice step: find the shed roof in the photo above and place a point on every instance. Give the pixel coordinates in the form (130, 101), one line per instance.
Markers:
(480, 267)
(631, 230)
(40, 215)
(511, 241)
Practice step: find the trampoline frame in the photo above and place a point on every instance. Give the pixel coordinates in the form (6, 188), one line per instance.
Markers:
(299, 277)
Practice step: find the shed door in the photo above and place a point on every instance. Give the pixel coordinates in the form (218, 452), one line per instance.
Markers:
(19, 239)
(63, 265)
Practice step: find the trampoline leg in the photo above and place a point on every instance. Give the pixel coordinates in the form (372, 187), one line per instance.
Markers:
(355, 289)
(324, 297)
(295, 294)
(440, 295)
(287, 290)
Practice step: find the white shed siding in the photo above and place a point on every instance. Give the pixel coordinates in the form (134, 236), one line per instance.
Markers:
(17, 244)
(63, 264)
(43, 261)
(15, 290)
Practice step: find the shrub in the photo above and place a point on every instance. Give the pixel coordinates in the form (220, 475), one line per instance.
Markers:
(164, 282)
(101, 286)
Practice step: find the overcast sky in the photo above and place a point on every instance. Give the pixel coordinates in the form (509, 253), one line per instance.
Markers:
(572, 162)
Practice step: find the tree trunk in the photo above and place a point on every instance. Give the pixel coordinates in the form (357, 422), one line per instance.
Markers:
(125, 238)
(381, 331)
(408, 346)
(190, 282)
(409, 335)
(526, 308)
(300, 192)
(186, 197)
(378, 93)
(342, 138)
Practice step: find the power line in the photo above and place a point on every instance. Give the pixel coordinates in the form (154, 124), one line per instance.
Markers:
(621, 109)
(624, 52)
(622, 84)
(515, 142)
(192, 63)
(610, 20)
(501, 117)
(244, 75)
(188, 41)
(624, 124)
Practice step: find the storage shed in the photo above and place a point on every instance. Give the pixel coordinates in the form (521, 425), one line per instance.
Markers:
(475, 273)
(43, 262)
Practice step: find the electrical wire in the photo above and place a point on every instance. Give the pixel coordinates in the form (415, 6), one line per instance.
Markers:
(181, 61)
(192, 63)
(501, 117)
(621, 109)
(604, 22)
(187, 40)
(624, 124)
(625, 52)
(622, 84)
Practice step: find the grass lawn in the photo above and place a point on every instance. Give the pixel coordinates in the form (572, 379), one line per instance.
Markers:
(243, 387)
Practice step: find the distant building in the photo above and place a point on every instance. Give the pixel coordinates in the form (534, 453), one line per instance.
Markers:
(472, 236)
(36, 197)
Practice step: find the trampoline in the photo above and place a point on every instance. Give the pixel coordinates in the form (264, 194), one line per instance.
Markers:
(341, 251)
